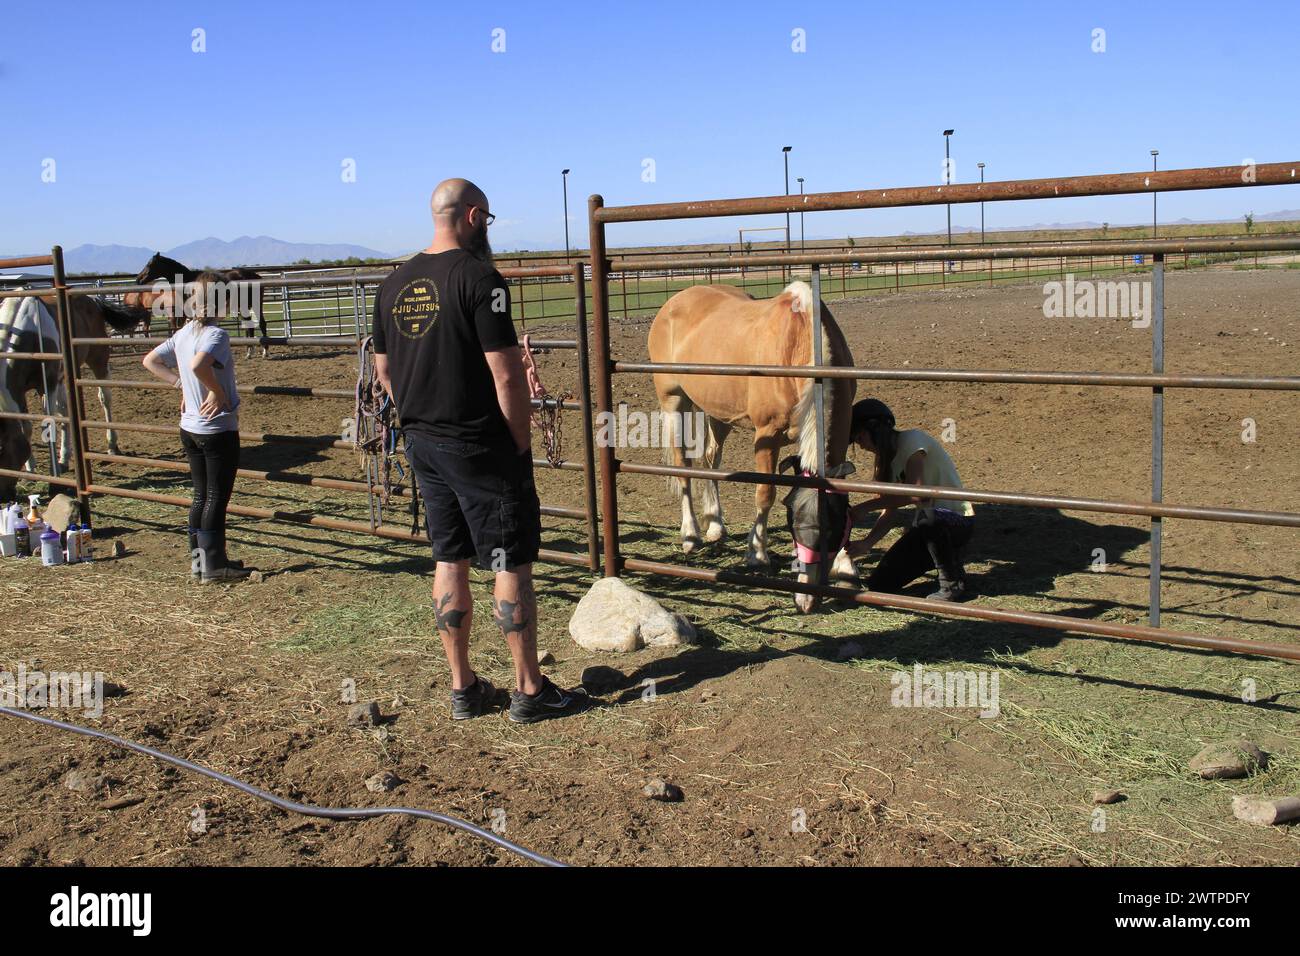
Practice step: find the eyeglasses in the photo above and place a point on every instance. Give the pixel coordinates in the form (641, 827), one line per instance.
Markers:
(486, 215)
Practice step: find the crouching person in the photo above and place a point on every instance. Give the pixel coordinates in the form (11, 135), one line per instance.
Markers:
(940, 527)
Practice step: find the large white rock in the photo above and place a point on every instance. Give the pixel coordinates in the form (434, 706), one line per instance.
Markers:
(615, 617)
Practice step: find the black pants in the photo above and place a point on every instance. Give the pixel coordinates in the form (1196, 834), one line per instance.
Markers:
(914, 554)
(213, 462)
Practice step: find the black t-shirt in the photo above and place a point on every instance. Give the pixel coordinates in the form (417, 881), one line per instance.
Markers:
(434, 318)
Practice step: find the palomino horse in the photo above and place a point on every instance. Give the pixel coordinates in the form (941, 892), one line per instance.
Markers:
(20, 320)
(163, 302)
(720, 324)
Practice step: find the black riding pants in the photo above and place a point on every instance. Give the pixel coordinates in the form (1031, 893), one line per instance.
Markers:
(214, 459)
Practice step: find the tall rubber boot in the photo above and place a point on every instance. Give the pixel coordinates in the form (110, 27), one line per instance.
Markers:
(223, 555)
(195, 559)
(214, 570)
(952, 576)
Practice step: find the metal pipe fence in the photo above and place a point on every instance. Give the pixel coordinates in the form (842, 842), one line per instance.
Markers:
(79, 426)
(604, 270)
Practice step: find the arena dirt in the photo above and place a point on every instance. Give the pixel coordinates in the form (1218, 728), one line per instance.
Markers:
(786, 754)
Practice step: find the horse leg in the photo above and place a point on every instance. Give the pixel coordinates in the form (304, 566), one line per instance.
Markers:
(61, 409)
(766, 447)
(261, 329)
(675, 406)
(710, 502)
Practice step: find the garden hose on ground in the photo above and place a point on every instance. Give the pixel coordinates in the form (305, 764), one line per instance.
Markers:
(332, 813)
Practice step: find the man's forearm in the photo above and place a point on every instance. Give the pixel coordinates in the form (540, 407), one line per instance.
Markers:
(516, 407)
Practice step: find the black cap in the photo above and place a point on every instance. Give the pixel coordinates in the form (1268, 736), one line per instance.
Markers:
(867, 411)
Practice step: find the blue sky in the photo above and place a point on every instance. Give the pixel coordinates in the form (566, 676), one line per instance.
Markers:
(155, 144)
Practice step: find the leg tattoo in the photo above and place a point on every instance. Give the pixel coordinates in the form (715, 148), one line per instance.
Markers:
(448, 619)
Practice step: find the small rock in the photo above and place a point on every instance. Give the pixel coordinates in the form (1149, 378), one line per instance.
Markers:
(1228, 760)
(599, 679)
(84, 782)
(613, 616)
(658, 789)
(256, 577)
(545, 657)
(119, 549)
(1266, 811)
(382, 782)
(709, 695)
(1105, 797)
(849, 650)
(364, 715)
(121, 803)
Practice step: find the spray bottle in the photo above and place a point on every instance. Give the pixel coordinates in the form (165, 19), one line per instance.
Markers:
(35, 523)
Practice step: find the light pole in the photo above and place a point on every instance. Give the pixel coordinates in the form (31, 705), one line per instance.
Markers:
(564, 178)
(947, 177)
(801, 243)
(1154, 166)
(785, 152)
(981, 166)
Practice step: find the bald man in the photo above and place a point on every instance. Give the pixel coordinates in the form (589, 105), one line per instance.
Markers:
(447, 354)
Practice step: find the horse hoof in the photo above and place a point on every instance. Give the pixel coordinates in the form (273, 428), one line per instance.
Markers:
(755, 560)
(690, 544)
(716, 532)
(805, 603)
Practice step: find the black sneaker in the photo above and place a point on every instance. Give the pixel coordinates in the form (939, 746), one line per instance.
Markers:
(548, 702)
(473, 700)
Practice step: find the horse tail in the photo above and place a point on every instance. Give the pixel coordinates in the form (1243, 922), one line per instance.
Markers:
(804, 415)
(122, 318)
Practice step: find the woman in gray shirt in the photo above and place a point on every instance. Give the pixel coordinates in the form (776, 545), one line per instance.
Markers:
(198, 361)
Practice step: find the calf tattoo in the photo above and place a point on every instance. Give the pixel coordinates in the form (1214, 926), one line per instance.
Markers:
(505, 615)
(448, 619)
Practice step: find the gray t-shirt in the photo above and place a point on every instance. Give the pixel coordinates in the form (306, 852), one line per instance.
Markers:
(178, 351)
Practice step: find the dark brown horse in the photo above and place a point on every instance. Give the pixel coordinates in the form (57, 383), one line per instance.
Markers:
(161, 269)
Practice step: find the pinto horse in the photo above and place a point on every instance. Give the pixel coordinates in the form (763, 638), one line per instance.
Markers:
(720, 324)
(160, 267)
(27, 325)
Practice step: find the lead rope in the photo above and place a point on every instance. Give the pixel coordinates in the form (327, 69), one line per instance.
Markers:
(545, 417)
(376, 433)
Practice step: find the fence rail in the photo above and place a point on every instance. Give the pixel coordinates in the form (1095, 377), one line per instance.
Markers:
(604, 269)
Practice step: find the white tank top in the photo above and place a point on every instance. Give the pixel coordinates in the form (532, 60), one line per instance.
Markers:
(937, 469)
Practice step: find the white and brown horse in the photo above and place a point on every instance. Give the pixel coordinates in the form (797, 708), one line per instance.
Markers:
(720, 324)
(27, 325)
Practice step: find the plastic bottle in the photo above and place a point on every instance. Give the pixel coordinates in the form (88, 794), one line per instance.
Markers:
(74, 543)
(22, 537)
(51, 553)
(87, 543)
(35, 523)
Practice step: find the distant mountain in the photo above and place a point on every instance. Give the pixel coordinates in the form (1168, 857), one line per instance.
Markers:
(264, 250)
(106, 258)
(213, 253)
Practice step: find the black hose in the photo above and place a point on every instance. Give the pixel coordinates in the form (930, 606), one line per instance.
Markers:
(332, 813)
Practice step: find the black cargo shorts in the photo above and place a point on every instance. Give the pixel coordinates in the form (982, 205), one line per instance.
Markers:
(480, 501)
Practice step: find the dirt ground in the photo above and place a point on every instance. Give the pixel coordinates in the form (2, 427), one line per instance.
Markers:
(786, 753)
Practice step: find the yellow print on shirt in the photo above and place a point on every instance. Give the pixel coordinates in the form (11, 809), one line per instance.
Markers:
(415, 308)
